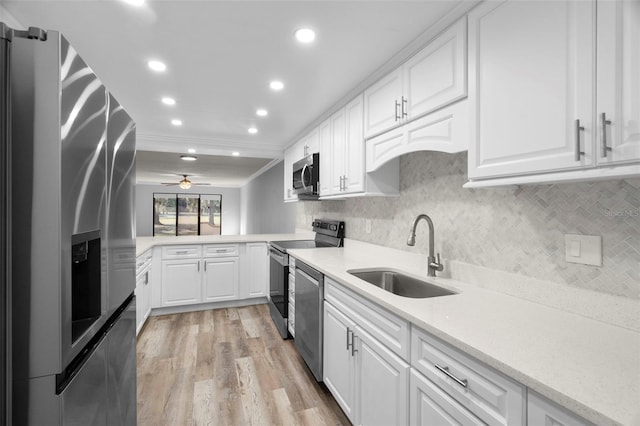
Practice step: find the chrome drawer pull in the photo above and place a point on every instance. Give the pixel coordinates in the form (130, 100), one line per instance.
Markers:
(221, 250)
(348, 331)
(577, 151)
(445, 370)
(182, 252)
(603, 138)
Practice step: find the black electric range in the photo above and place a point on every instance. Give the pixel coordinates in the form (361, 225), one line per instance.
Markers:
(329, 233)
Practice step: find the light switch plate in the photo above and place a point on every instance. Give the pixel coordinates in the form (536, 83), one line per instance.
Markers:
(584, 249)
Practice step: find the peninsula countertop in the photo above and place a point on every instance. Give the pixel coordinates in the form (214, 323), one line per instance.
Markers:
(145, 243)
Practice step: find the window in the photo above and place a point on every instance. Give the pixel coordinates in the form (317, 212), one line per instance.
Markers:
(187, 214)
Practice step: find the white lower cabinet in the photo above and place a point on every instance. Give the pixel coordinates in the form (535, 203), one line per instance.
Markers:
(181, 282)
(542, 412)
(430, 405)
(143, 289)
(220, 279)
(338, 361)
(369, 381)
(211, 273)
(382, 383)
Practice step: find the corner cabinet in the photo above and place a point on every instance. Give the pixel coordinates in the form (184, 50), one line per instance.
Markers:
(534, 109)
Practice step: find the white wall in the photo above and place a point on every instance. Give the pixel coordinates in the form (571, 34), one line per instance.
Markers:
(144, 206)
(8, 19)
(262, 206)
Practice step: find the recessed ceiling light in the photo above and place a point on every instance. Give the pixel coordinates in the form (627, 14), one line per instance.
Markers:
(157, 66)
(191, 151)
(189, 157)
(276, 85)
(235, 153)
(176, 122)
(261, 112)
(253, 130)
(136, 3)
(305, 35)
(168, 101)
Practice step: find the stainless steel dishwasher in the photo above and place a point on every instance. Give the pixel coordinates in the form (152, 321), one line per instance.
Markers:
(308, 316)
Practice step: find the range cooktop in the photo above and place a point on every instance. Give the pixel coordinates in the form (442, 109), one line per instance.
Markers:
(283, 246)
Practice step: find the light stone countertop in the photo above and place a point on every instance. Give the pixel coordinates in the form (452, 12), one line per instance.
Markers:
(145, 243)
(590, 367)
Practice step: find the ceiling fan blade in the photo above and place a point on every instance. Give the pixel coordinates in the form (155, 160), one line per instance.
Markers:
(201, 184)
(170, 183)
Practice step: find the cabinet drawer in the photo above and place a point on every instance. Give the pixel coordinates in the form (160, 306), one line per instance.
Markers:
(384, 326)
(220, 250)
(144, 260)
(492, 397)
(179, 252)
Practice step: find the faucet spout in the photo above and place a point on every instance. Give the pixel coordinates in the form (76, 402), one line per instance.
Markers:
(433, 265)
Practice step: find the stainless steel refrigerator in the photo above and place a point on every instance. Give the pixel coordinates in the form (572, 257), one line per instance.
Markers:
(68, 161)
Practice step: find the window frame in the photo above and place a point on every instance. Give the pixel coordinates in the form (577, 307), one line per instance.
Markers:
(177, 212)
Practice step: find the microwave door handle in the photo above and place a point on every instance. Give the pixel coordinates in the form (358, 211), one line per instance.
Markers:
(304, 170)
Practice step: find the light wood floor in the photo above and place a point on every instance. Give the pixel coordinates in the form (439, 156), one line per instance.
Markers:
(226, 367)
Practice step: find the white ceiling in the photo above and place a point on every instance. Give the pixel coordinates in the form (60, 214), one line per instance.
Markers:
(221, 56)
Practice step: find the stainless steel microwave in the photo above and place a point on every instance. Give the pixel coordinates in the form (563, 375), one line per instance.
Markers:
(306, 176)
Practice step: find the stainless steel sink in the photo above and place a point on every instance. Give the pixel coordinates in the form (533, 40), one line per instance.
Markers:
(398, 283)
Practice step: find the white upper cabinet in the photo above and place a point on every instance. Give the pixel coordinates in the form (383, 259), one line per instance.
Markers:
(290, 156)
(354, 147)
(618, 74)
(383, 103)
(531, 78)
(436, 76)
(554, 92)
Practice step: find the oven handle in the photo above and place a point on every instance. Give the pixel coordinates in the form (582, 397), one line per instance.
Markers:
(275, 254)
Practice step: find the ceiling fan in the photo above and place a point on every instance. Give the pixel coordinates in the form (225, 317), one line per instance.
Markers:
(184, 183)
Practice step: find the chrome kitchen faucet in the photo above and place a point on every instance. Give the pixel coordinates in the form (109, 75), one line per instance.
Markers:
(433, 265)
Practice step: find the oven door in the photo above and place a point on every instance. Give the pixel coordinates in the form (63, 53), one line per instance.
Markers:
(278, 281)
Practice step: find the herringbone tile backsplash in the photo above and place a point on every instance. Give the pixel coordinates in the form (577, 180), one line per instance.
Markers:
(520, 231)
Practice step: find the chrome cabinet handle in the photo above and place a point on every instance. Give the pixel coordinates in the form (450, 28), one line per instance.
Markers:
(404, 102)
(348, 331)
(199, 266)
(396, 115)
(353, 344)
(182, 252)
(345, 184)
(204, 262)
(603, 134)
(445, 370)
(146, 278)
(579, 129)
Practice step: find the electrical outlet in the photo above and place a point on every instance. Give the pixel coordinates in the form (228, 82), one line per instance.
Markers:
(585, 249)
(367, 226)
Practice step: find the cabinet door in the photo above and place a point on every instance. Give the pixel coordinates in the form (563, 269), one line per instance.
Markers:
(354, 147)
(382, 383)
(220, 279)
(181, 282)
(338, 142)
(432, 406)
(437, 75)
(528, 89)
(326, 157)
(312, 143)
(618, 81)
(383, 104)
(338, 361)
(541, 411)
(289, 159)
(258, 269)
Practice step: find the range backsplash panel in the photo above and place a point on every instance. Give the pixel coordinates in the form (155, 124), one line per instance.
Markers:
(515, 230)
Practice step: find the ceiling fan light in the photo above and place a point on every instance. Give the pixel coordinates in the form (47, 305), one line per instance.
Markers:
(185, 183)
(188, 157)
